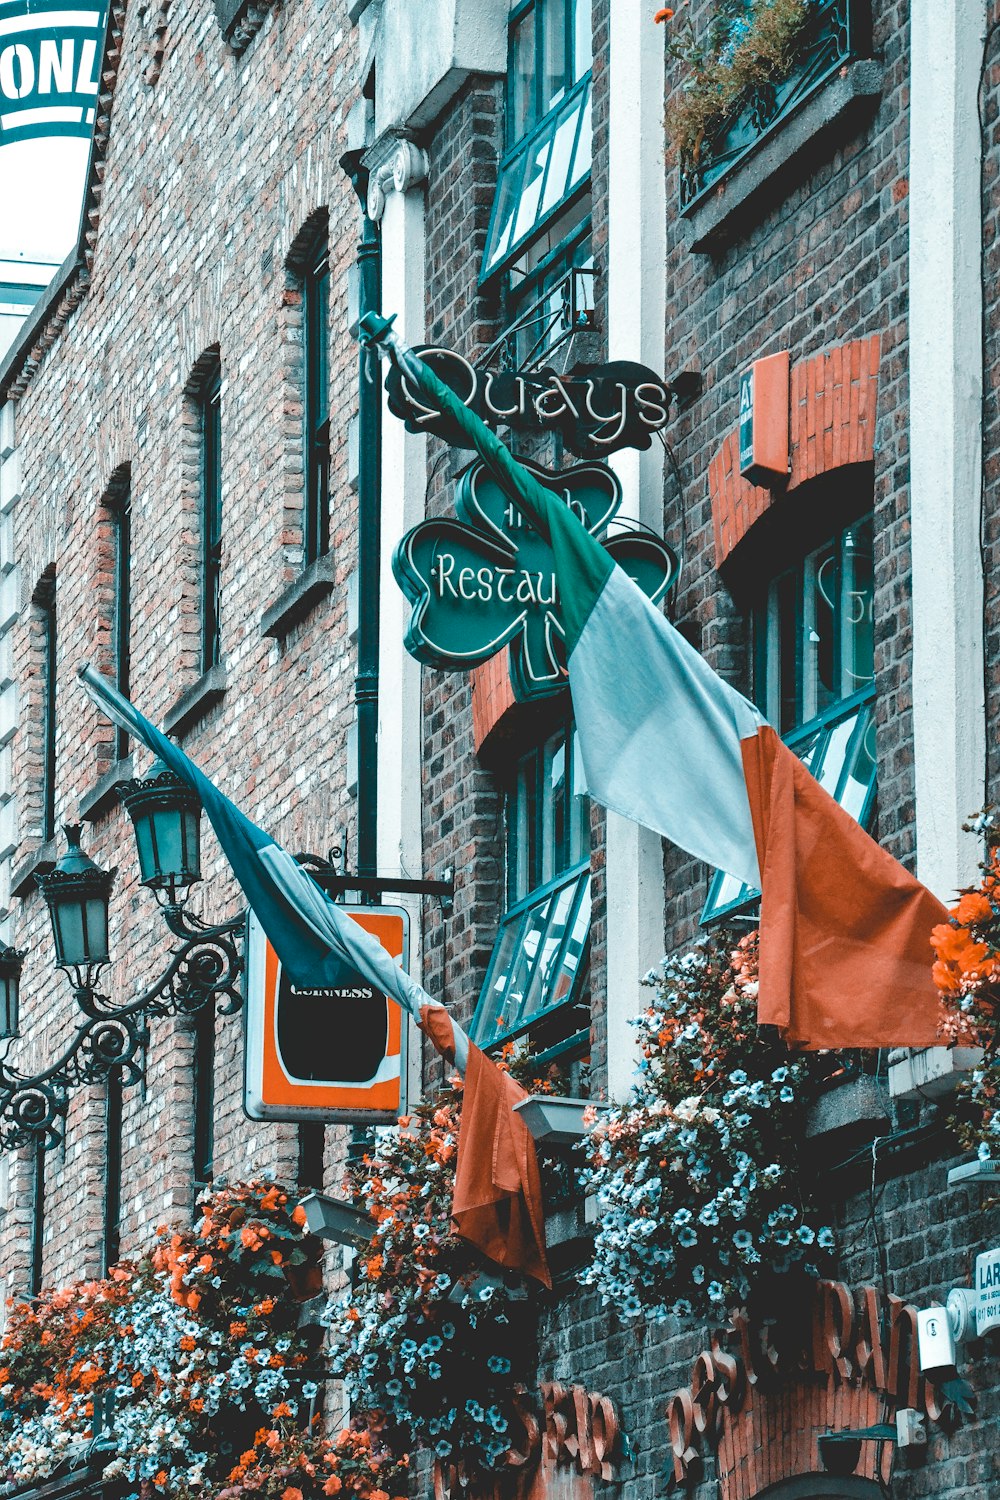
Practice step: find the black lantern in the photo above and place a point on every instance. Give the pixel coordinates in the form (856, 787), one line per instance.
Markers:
(10, 977)
(77, 893)
(166, 816)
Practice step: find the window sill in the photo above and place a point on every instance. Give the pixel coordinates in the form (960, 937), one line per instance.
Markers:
(299, 598)
(195, 702)
(764, 176)
(104, 794)
(40, 861)
(929, 1072)
(850, 1113)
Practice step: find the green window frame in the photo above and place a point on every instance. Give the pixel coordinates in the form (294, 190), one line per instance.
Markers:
(121, 630)
(814, 673)
(316, 401)
(210, 419)
(539, 961)
(549, 126)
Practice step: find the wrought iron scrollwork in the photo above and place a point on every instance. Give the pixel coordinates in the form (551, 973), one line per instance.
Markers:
(204, 969)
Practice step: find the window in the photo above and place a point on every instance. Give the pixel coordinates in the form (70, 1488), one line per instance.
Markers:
(45, 599)
(814, 667)
(316, 401)
(311, 1154)
(203, 1095)
(37, 1220)
(121, 623)
(111, 1236)
(539, 961)
(548, 157)
(210, 420)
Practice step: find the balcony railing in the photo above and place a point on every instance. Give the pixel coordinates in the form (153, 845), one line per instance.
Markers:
(564, 309)
(838, 32)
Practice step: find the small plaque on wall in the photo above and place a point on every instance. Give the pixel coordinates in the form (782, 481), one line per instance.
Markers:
(764, 420)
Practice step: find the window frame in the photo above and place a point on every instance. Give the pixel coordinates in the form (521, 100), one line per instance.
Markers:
(111, 1213)
(203, 1096)
(210, 425)
(519, 914)
(121, 624)
(315, 290)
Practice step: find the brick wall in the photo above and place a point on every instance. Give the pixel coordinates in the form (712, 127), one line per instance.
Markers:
(212, 169)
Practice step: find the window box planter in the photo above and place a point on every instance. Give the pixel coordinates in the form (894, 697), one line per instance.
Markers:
(832, 83)
(555, 1120)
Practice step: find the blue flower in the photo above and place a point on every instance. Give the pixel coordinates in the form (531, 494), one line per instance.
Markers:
(498, 1364)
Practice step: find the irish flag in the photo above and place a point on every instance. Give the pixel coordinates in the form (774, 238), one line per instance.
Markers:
(845, 955)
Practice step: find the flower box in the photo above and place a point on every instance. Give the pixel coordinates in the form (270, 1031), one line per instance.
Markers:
(332, 1219)
(555, 1120)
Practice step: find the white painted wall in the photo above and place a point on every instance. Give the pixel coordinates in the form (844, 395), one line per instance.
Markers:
(636, 315)
(404, 470)
(946, 384)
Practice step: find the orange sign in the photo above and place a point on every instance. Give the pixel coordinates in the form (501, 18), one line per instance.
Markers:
(324, 1054)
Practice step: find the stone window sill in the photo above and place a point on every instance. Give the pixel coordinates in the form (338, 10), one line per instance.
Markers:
(765, 175)
(929, 1072)
(40, 861)
(850, 1113)
(104, 794)
(299, 598)
(195, 702)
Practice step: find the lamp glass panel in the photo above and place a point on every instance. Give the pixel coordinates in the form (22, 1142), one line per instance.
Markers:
(145, 847)
(168, 835)
(8, 1006)
(68, 930)
(192, 844)
(97, 931)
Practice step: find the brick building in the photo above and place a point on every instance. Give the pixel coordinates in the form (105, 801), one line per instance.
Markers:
(186, 463)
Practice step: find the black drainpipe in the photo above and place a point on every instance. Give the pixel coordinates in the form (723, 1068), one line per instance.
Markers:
(368, 262)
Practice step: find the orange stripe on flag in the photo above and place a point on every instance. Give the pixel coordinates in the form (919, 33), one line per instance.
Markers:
(845, 955)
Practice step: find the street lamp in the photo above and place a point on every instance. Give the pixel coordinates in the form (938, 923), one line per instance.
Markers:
(166, 817)
(77, 893)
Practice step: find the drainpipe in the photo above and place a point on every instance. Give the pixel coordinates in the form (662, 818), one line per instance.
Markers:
(368, 271)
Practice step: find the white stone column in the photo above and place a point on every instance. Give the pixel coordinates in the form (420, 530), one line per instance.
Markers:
(636, 314)
(404, 477)
(946, 387)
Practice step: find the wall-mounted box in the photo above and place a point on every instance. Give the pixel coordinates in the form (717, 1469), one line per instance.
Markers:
(764, 420)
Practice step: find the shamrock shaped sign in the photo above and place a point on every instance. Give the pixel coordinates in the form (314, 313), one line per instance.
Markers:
(487, 580)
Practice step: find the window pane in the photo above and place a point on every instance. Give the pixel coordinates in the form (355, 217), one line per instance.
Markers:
(508, 197)
(783, 650)
(523, 962)
(521, 833)
(857, 634)
(556, 183)
(531, 192)
(859, 775)
(555, 62)
(584, 145)
(819, 643)
(521, 77)
(559, 980)
(583, 38)
(579, 808)
(499, 1008)
(543, 977)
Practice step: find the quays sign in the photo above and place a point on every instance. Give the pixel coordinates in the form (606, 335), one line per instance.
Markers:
(597, 409)
(50, 62)
(487, 580)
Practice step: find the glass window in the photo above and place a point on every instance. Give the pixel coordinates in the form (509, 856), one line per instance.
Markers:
(316, 403)
(539, 960)
(203, 1094)
(210, 413)
(815, 654)
(548, 123)
(121, 630)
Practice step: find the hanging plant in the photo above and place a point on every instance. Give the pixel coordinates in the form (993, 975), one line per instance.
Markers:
(424, 1336)
(697, 1179)
(199, 1350)
(967, 972)
(744, 45)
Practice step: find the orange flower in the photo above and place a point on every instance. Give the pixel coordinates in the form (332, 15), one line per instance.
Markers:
(665, 14)
(298, 1215)
(161, 1478)
(973, 909)
(332, 1485)
(291, 1493)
